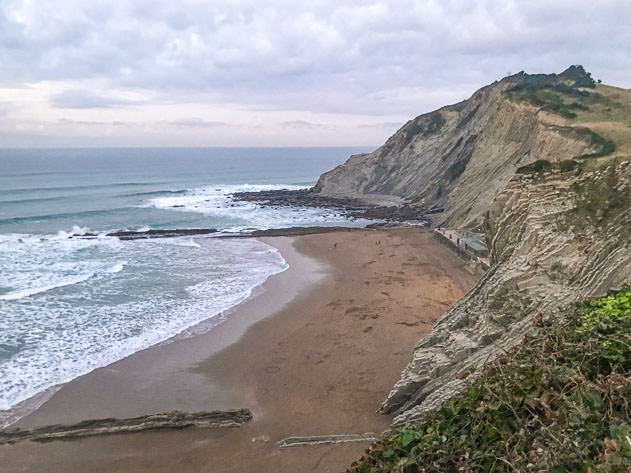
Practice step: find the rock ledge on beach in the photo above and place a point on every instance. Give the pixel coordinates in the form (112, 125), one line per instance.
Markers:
(162, 421)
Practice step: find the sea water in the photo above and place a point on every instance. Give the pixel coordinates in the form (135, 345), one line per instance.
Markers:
(69, 305)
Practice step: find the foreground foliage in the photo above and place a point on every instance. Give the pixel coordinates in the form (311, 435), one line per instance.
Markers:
(561, 402)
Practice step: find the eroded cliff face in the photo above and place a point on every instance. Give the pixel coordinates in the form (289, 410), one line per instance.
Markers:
(460, 157)
(555, 239)
(540, 163)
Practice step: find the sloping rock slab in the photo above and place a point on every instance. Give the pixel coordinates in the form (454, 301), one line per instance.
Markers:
(130, 235)
(349, 206)
(161, 421)
(291, 442)
(556, 239)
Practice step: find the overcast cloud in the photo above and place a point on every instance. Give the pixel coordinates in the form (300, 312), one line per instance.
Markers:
(277, 72)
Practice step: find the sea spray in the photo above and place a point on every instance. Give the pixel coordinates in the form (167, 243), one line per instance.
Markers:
(55, 333)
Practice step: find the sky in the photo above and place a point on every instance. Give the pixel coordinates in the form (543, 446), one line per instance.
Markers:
(275, 72)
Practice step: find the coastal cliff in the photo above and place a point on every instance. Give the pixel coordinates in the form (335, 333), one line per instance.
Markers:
(556, 239)
(542, 165)
(460, 157)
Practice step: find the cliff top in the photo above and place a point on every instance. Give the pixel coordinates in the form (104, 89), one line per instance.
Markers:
(455, 160)
(581, 101)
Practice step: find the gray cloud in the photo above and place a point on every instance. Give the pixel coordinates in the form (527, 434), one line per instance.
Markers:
(81, 99)
(388, 125)
(302, 124)
(65, 121)
(385, 58)
(4, 109)
(196, 123)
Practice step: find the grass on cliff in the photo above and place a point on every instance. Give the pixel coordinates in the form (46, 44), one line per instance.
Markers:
(424, 125)
(604, 147)
(610, 116)
(558, 99)
(561, 402)
(563, 93)
(603, 110)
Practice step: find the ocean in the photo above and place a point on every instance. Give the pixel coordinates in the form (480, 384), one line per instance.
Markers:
(70, 305)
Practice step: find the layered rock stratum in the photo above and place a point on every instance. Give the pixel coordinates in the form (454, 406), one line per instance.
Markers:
(542, 165)
(174, 420)
(460, 157)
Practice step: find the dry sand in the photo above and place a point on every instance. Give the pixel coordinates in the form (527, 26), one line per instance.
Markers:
(314, 354)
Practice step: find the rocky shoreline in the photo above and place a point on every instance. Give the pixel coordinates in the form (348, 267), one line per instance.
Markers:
(175, 420)
(349, 206)
(387, 216)
(270, 232)
(136, 235)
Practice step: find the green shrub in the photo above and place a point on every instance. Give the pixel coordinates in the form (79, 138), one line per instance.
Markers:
(607, 147)
(560, 402)
(424, 125)
(455, 170)
(539, 166)
(550, 90)
(567, 165)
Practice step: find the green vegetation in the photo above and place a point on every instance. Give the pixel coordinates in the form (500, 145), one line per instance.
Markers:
(539, 166)
(572, 77)
(573, 94)
(561, 402)
(558, 93)
(607, 147)
(568, 165)
(550, 98)
(455, 170)
(424, 125)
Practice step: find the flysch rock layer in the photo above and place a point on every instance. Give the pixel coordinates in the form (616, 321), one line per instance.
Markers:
(555, 239)
(174, 420)
(458, 158)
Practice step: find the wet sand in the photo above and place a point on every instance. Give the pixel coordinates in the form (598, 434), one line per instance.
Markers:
(314, 354)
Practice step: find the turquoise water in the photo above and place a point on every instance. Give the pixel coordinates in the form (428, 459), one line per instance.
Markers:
(44, 191)
(70, 305)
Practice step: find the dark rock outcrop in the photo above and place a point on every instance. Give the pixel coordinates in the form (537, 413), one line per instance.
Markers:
(162, 421)
(135, 235)
(383, 209)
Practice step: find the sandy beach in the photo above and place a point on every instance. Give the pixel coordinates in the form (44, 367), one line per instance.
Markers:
(315, 352)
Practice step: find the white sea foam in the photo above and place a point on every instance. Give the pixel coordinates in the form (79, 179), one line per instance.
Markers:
(76, 230)
(31, 291)
(180, 241)
(116, 268)
(234, 216)
(164, 289)
(59, 282)
(70, 305)
(33, 264)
